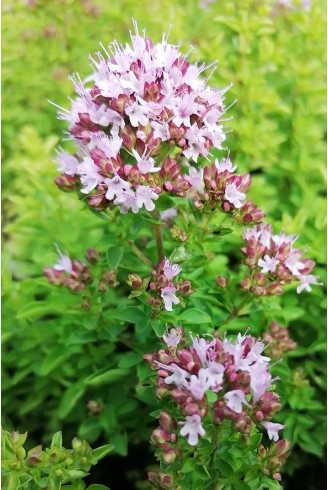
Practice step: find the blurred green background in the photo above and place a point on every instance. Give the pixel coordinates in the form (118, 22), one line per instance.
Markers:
(273, 53)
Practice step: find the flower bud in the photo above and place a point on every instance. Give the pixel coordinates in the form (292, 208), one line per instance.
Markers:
(135, 281)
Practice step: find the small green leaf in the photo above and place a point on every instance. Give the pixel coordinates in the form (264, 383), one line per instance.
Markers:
(114, 256)
(130, 359)
(70, 398)
(57, 440)
(97, 486)
(120, 442)
(194, 316)
(107, 377)
(101, 452)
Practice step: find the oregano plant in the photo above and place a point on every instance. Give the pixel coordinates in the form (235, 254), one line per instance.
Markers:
(151, 159)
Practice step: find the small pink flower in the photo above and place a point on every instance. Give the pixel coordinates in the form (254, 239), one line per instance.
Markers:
(235, 399)
(171, 270)
(273, 430)
(193, 429)
(169, 297)
(173, 337)
(306, 281)
(234, 196)
(195, 179)
(64, 262)
(268, 264)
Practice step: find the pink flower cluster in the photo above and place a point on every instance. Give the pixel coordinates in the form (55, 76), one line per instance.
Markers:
(217, 379)
(164, 293)
(222, 185)
(274, 262)
(73, 275)
(145, 102)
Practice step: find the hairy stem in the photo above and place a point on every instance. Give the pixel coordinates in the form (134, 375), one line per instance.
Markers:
(235, 311)
(159, 240)
(139, 254)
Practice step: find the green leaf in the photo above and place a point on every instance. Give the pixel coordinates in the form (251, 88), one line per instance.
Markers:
(90, 429)
(101, 452)
(107, 377)
(130, 359)
(194, 316)
(97, 486)
(120, 442)
(70, 398)
(114, 256)
(57, 440)
(132, 314)
(53, 359)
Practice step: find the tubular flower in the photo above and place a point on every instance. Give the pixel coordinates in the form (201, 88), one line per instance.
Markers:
(141, 102)
(274, 262)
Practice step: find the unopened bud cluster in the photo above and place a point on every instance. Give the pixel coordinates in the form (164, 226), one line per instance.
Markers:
(274, 457)
(279, 341)
(274, 262)
(213, 380)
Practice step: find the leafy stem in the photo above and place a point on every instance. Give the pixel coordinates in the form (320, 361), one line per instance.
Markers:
(159, 240)
(235, 311)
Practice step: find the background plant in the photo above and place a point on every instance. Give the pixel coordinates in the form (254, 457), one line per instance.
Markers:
(64, 366)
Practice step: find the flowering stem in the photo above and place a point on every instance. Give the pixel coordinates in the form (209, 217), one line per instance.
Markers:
(139, 254)
(235, 311)
(159, 240)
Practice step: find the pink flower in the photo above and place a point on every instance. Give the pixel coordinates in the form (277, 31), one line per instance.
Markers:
(268, 264)
(179, 376)
(193, 429)
(171, 270)
(198, 385)
(235, 399)
(169, 297)
(260, 379)
(195, 179)
(306, 281)
(145, 197)
(67, 164)
(64, 263)
(116, 187)
(173, 337)
(145, 165)
(273, 430)
(225, 165)
(213, 375)
(234, 196)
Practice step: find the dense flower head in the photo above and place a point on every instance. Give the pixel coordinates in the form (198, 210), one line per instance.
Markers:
(235, 372)
(222, 186)
(274, 262)
(143, 103)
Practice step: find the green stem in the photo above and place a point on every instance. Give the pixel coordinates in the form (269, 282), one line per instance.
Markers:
(139, 254)
(235, 311)
(159, 240)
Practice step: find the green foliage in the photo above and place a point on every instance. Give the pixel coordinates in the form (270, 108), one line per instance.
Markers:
(81, 368)
(52, 468)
